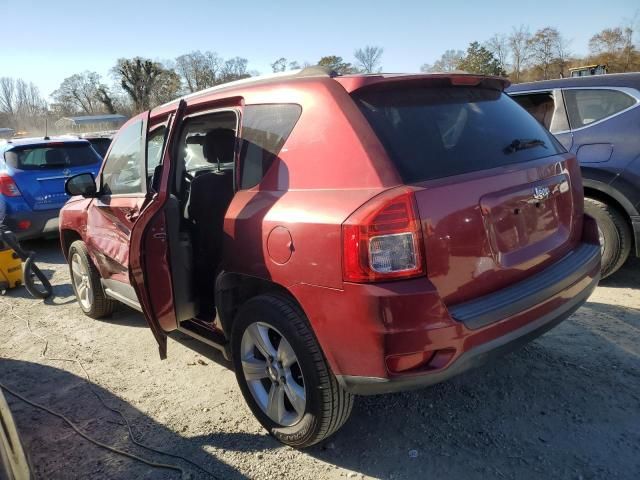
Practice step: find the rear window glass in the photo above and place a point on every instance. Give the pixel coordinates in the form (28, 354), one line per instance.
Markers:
(46, 157)
(432, 133)
(100, 145)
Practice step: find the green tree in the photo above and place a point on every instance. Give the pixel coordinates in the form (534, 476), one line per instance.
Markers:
(337, 64)
(480, 60)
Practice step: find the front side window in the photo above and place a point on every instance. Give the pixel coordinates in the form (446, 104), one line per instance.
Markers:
(586, 106)
(265, 129)
(122, 169)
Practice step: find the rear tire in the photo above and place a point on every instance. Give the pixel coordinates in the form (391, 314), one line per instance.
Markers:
(86, 283)
(615, 234)
(326, 405)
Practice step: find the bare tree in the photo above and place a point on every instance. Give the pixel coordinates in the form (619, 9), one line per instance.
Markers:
(7, 95)
(28, 100)
(82, 92)
(280, 65)
(448, 62)
(520, 46)
(369, 58)
(548, 48)
(199, 70)
(234, 69)
(498, 45)
(614, 47)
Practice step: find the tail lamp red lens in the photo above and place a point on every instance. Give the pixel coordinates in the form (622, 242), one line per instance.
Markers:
(8, 187)
(24, 224)
(382, 240)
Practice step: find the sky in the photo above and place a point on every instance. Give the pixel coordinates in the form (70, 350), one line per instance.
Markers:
(45, 41)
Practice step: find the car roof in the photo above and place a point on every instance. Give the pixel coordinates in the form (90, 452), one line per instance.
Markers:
(350, 82)
(608, 80)
(40, 141)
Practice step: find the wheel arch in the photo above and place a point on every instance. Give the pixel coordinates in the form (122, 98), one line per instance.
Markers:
(234, 289)
(67, 237)
(609, 195)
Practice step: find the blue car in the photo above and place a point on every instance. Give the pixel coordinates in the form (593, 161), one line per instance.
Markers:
(32, 177)
(597, 118)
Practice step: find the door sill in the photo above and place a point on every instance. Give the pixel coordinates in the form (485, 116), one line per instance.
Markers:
(199, 330)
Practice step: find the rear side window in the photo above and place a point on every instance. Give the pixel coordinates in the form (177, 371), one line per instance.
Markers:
(432, 133)
(265, 129)
(586, 106)
(48, 157)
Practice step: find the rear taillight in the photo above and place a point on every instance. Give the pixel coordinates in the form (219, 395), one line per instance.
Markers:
(8, 187)
(382, 240)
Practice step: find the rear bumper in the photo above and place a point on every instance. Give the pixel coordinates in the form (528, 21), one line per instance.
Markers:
(476, 356)
(396, 336)
(41, 223)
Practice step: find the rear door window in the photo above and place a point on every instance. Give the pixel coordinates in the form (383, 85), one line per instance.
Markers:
(586, 106)
(432, 133)
(265, 129)
(48, 157)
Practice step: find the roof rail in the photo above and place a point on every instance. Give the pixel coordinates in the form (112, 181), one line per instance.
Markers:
(317, 71)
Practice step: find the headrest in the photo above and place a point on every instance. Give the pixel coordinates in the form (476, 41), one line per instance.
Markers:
(218, 145)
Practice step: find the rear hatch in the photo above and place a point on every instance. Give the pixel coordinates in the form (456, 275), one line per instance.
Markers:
(498, 197)
(41, 170)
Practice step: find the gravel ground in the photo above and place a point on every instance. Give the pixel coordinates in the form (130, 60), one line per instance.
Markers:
(566, 406)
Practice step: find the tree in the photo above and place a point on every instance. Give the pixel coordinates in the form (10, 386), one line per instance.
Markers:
(337, 64)
(7, 95)
(199, 70)
(82, 92)
(279, 65)
(480, 60)
(369, 59)
(448, 62)
(139, 77)
(614, 47)
(520, 46)
(234, 69)
(548, 48)
(498, 45)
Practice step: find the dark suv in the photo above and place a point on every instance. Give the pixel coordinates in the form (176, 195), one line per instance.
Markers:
(597, 118)
(336, 235)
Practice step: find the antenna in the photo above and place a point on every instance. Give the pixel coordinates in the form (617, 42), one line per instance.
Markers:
(46, 128)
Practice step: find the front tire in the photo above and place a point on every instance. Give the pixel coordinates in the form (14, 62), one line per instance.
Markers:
(283, 374)
(85, 279)
(615, 234)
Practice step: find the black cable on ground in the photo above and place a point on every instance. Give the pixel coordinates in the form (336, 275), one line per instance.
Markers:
(101, 400)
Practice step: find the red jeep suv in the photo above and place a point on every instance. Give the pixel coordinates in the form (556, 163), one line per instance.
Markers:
(336, 235)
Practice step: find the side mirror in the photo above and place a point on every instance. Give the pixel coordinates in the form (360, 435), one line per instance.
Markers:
(82, 184)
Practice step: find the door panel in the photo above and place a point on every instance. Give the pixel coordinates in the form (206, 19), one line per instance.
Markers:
(109, 222)
(149, 262)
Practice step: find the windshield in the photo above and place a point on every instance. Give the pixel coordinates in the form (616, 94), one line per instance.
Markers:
(50, 156)
(438, 132)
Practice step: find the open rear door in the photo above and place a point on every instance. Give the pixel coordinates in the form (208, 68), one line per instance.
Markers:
(149, 261)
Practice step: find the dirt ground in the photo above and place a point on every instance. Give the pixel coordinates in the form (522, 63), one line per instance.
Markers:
(566, 406)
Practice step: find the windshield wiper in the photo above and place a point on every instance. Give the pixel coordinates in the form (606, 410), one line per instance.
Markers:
(523, 143)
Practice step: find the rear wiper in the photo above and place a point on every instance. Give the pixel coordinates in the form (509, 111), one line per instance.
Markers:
(523, 143)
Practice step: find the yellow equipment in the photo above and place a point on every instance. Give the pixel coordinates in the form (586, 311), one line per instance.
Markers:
(10, 268)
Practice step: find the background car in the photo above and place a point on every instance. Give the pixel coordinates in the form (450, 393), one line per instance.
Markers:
(33, 172)
(99, 141)
(597, 118)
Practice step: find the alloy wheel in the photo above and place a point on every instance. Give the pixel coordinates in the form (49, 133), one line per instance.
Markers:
(273, 374)
(81, 282)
